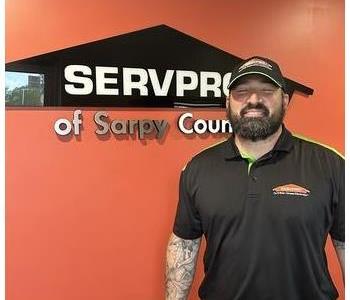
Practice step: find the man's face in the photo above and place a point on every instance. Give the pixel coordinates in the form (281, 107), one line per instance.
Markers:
(256, 107)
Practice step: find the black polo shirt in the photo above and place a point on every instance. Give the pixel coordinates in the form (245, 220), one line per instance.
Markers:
(266, 229)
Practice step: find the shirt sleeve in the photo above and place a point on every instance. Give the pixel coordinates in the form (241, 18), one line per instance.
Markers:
(187, 223)
(337, 231)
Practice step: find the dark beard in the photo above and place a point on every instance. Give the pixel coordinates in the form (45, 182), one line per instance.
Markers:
(256, 128)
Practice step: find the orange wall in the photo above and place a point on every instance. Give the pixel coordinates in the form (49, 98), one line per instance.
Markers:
(89, 218)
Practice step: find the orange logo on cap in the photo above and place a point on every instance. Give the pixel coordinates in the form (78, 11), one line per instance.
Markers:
(291, 189)
(255, 62)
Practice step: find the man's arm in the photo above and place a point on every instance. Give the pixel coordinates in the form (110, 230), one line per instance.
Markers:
(340, 249)
(180, 266)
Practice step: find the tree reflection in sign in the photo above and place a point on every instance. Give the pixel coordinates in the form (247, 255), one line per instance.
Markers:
(24, 89)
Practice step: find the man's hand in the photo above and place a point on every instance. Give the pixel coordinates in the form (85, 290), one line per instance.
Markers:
(180, 266)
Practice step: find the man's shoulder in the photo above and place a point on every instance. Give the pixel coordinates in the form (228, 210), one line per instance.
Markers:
(208, 155)
(312, 146)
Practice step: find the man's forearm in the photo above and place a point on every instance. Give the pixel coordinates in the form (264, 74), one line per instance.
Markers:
(340, 250)
(180, 266)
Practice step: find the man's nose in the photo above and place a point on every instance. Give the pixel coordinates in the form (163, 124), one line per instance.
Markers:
(254, 97)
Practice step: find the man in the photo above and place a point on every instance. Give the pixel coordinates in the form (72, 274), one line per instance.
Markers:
(265, 201)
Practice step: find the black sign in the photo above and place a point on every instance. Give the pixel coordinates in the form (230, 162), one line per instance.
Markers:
(154, 67)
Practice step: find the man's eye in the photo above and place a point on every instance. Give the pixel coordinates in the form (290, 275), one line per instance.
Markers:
(267, 91)
(241, 91)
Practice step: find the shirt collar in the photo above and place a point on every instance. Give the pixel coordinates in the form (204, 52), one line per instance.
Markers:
(284, 144)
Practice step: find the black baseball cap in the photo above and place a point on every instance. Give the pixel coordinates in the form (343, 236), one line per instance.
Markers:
(258, 65)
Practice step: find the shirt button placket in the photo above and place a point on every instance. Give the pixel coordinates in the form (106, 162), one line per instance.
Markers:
(253, 185)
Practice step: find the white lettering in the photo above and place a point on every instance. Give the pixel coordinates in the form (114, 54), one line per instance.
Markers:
(69, 75)
(226, 126)
(205, 86)
(63, 127)
(77, 121)
(160, 90)
(129, 84)
(211, 126)
(103, 124)
(181, 86)
(101, 81)
(225, 82)
(201, 126)
(181, 123)
(135, 81)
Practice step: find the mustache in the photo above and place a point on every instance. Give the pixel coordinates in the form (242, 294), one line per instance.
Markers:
(258, 106)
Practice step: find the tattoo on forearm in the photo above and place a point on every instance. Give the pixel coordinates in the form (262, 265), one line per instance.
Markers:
(340, 250)
(338, 244)
(180, 267)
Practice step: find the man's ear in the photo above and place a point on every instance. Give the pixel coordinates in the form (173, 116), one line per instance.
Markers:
(285, 99)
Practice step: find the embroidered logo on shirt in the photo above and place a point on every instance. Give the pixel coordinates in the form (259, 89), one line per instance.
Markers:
(291, 189)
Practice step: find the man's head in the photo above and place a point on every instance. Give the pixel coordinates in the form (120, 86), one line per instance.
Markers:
(257, 99)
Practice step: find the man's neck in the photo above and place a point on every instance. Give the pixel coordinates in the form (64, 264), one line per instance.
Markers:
(259, 148)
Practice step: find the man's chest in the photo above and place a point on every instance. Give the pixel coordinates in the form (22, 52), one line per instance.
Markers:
(270, 193)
